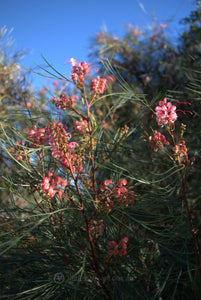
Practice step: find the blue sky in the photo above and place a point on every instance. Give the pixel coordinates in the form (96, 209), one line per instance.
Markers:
(62, 29)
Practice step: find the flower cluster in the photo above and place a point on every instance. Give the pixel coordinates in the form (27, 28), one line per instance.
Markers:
(165, 113)
(19, 151)
(98, 85)
(79, 71)
(180, 152)
(51, 185)
(63, 103)
(109, 192)
(58, 139)
(158, 140)
(81, 126)
(117, 249)
(61, 148)
(37, 137)
(97, 228)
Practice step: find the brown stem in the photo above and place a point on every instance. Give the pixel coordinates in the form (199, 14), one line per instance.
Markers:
(42, 163)
(36, 171)
(94, 259)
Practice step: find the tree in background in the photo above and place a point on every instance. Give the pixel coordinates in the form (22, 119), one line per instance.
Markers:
(17, 98)
(15, 93)
(149, 60)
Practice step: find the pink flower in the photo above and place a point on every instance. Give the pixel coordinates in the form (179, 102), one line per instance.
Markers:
(51, 192)
(52, 185)
(73, 62)
(123, 182)
(104, 185)
(120, 192)
(45, 183)
(37, 137)
(163, 25)
(117, 249)
(55, 83)
(123, 246)
(180, 152)
(64, 183)
(28, 104)
(56, 180)
(123, 242)
(73, 98)
(71, 145)
(111, 193)
(157, 141)
(136, 32)
(59, 193)
(79, 71)
(63, 103)
(61, 149)
(98, 85)
(165, 113)
(19, 151)
(80, 126)
(107, 182)
(49, 173)
(112, 248)
(97, 228)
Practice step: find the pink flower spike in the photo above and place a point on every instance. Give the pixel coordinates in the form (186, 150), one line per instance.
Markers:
(73, 62)
(124, 241)
(165, 113)
(111, 244)
(79, 70)
(72, 145)
(117, 249)
(51, 192)
(180, 152)
(123, 182)
(64, 183)
(56, 180)
(98, 85)
(112, 248)
(49, 174)
(45, 183)
(107, 182)
(158, 141)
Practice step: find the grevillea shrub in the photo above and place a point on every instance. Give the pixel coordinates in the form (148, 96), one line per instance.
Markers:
(106, 212)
